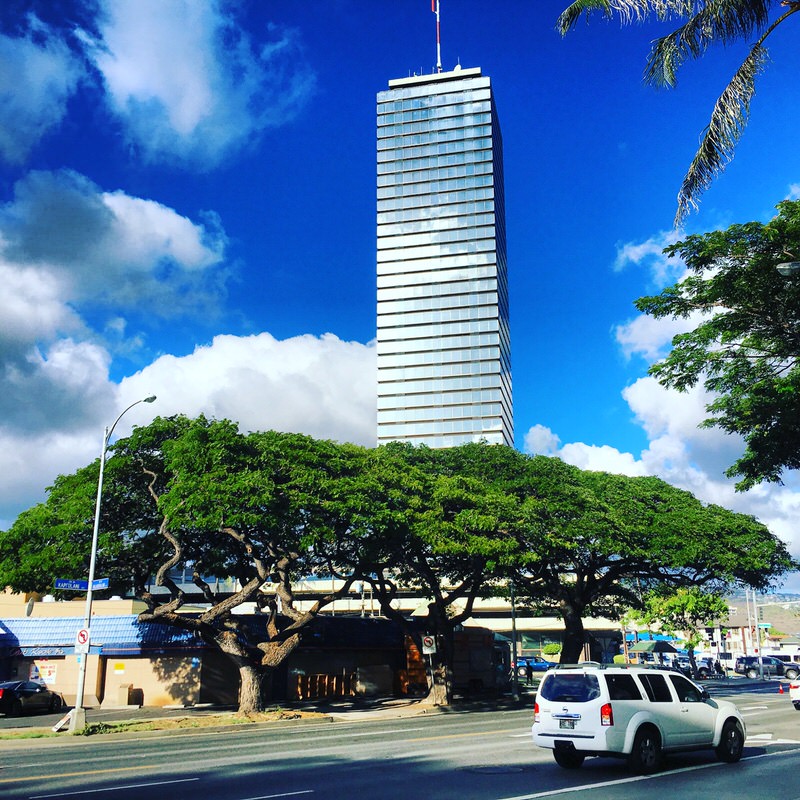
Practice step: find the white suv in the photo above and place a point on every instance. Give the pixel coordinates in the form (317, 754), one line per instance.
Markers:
(637, 713)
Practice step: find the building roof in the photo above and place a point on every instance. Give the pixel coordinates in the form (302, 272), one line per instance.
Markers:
(114, 635)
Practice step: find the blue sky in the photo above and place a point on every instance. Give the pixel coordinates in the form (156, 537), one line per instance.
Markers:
(187, 209)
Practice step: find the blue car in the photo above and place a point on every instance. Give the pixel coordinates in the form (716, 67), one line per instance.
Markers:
(539, 664)
(530, 664)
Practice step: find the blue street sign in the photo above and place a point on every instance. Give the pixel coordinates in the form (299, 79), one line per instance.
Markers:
(75, 586)
(81, 586)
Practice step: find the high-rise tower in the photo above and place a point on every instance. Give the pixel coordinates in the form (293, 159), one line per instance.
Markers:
(444, 354)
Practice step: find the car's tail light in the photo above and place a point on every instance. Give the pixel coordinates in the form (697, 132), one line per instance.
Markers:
(1, 693)
(606, 715)
(535, 711)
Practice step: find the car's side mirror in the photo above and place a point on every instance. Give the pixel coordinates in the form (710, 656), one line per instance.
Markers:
(704, 695)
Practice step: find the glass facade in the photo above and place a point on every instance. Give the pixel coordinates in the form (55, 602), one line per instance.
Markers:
(444, 352)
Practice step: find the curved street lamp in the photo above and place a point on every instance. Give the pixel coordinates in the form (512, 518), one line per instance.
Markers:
(78, 714)
(788, 268)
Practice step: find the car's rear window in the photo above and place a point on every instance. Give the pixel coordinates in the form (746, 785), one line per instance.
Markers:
(622, 687)
(575, 687)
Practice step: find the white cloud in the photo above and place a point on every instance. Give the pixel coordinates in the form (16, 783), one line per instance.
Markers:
(321, 386)
(650, 254)
(38, 74)
(71, 258)
(649, 337)
(540, 440)
(90, 246)
(601, 458)
(188, 82)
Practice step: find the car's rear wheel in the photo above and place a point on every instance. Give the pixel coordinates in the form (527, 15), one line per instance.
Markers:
(15, 709)
(568, 758)
(645, 756)
(752, 673)
(791, 674)
(797, 705)
(731, 742)
(55, 703)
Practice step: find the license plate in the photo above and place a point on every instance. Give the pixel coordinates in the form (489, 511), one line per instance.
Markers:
(566, 723)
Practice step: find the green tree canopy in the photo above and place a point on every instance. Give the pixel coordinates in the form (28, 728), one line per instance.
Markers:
(200, 497)
(746, 340)
(601, 540)
(704, 23)
(451, 526)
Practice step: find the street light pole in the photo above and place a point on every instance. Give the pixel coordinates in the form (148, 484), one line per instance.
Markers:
(515, 671)
(77, 719)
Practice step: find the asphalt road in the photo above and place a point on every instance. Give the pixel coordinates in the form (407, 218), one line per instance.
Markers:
(475, 755)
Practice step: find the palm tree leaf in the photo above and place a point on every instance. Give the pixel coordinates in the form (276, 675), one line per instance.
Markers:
(724, 130)
(717, 21)
(627, 10)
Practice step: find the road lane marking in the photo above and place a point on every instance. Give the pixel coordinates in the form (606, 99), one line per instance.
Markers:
(283, 794)
(80, 774)
(112, 788)
(636, 778)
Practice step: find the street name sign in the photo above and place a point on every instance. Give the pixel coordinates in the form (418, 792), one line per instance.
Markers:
(71, 585)
(81, 586)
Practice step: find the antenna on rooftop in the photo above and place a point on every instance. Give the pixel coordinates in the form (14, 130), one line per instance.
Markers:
(435, 10)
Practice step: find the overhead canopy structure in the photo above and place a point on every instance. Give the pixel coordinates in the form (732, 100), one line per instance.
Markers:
(652, 646)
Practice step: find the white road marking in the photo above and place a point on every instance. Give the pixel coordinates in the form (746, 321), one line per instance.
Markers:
(112, 788)
(283, 794)
(636, 778)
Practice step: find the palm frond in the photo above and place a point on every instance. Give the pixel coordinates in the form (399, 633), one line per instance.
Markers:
(724, 130)
(570, 15)
(721, 21)
(628, 10)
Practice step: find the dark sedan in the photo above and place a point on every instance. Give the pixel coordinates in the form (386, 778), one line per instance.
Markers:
(20, 697)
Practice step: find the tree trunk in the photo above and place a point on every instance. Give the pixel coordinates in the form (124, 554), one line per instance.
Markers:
(250, 681)
(574, 635)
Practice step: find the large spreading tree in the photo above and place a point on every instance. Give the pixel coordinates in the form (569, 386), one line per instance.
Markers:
(199, 497)
(265, 510)
(746, 337)
(590, 543)
(704, 23)
(432, 529)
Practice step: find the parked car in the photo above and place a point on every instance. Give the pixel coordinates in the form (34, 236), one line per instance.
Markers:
(631, 712)
(539, 664)
(705, 666)
(751, 666)
(20, 697)
(529, 664)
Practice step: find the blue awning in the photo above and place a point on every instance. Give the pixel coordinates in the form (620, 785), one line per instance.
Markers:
(120, 635)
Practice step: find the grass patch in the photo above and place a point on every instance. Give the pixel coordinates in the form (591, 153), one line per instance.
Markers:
(173, 723)
(28, 735)
(205, 721)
